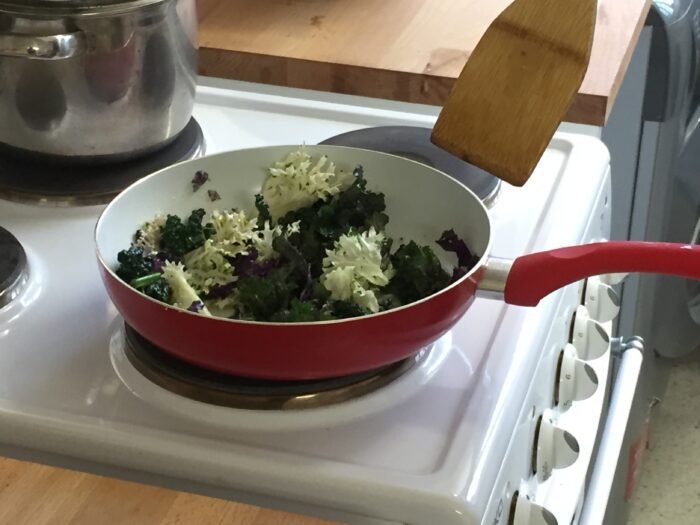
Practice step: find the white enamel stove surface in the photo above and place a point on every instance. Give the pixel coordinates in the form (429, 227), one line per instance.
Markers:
(427, 450)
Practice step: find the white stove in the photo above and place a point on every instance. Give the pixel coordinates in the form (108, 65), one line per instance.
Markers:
(493, 426)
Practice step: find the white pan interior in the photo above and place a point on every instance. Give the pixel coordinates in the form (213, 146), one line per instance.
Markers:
(421, 202)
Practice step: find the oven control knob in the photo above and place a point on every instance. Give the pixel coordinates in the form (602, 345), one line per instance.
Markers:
(589, 337)
(524, 511)
(555, 448)
(576, 380)
(601, 300)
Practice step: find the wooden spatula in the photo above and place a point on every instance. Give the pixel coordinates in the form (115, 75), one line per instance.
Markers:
(517, 86)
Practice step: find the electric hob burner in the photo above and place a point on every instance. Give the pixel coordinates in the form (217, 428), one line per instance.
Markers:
(413, 142)
(13, 267)
(225, 390)
(36, 182)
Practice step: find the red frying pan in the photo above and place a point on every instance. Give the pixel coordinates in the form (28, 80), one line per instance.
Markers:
(421, 202)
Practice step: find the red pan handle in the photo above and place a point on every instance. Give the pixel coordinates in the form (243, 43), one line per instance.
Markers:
(533, 277)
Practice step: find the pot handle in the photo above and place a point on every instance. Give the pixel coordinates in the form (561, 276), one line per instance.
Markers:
(53, 47)
(533, 277)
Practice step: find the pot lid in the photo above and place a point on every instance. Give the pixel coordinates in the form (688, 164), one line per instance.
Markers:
(71, 6)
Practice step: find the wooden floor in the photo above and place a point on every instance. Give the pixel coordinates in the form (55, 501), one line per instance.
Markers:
(32, 494)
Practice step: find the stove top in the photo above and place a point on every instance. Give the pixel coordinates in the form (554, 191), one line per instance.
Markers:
(55, 184)
(425, 448)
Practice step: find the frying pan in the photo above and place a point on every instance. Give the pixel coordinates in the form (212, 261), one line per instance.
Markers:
(421, 203)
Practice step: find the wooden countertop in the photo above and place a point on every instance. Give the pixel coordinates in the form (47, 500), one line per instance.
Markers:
(32, 494)
(409, 50)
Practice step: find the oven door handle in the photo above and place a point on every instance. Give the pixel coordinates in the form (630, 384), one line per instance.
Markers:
(596, 499)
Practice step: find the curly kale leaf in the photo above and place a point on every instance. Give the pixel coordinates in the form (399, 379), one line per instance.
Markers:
(359, 208)
(418, 273)
(321, 224)
(260, 298)
(159, 290)
(387, 300)
(297, 264)
(319, 293)
(263, 211)
(301, 312)
(178, 238)
(137, 269)
(273, 297)
(133, 263)
(346, 309)
(312, 239)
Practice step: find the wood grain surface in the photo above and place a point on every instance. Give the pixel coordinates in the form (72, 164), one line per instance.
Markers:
(32, 494)
(409, 50)
(517, 86)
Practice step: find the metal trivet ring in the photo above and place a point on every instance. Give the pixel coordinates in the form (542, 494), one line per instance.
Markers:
(225, 390)
(52, 183)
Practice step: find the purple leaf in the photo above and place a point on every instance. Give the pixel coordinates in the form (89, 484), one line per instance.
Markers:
(158, 261)
(199, 179)
(214, 195)
(458, 273)
(308, 291)
(196, 306)
(247, 265)
(450, 242)
(220, 291)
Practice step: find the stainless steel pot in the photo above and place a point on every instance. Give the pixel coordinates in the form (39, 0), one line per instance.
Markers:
(95, 80)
